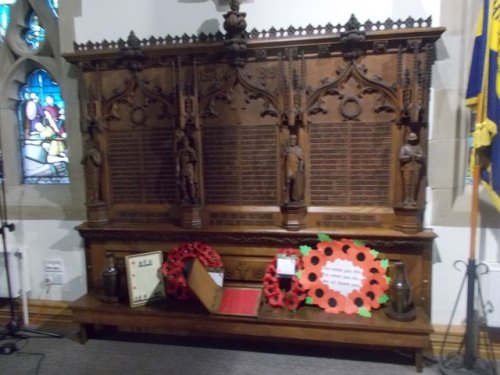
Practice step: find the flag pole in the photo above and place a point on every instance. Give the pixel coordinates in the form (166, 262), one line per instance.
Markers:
(470, 352)
(476, 177)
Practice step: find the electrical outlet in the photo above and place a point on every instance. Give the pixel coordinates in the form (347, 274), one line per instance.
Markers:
(54, 265)
(54, 278)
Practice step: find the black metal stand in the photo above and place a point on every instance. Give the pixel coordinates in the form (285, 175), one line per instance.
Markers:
(14, 329)
(467, 360)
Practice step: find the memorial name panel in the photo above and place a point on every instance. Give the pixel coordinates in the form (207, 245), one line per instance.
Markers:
(350, 164)
(142, 166)
(240, 164)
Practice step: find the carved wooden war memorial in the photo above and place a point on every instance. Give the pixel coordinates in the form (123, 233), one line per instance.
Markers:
(251, 141)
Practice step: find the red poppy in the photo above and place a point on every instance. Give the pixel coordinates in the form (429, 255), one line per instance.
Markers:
(359, 299)
(173, 267)
(277, 300)
(328, 299)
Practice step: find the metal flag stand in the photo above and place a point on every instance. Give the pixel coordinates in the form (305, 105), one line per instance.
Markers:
(467, 360)
(14, 328)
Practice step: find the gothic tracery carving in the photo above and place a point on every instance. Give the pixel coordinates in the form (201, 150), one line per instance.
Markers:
(349, 106)
(344, 82)
(133, 102)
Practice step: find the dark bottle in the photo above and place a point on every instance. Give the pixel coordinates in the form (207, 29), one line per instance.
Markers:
(401, 307)
(110, 279)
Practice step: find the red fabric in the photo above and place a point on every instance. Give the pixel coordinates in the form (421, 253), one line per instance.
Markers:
(238, 301)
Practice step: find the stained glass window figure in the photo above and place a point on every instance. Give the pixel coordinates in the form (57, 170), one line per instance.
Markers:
(4, 20)
(35, 33)
(42, 133)
(54, 5)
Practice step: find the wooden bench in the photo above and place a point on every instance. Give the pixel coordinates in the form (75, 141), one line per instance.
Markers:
(308, 325)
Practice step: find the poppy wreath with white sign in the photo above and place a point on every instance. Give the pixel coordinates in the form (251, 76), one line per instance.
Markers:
(276, 296)
(344, 276)
(174, 266)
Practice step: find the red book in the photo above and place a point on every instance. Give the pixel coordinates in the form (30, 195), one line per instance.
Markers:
(222, 300)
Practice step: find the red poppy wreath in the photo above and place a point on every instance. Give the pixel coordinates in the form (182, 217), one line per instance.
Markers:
(173, 267)
(344, 276)
(277, 296)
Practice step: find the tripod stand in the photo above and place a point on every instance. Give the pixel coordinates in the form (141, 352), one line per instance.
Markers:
(14, 329)
(467, 360)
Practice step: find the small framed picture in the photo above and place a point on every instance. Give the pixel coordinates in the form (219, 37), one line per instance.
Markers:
(144, 279)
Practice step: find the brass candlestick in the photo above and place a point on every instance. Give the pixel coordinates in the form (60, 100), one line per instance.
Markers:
(110, 280)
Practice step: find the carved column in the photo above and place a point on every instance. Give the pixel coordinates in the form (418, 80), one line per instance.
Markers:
(294, 162)
(97, 209)
(187, 149)
(413, 88)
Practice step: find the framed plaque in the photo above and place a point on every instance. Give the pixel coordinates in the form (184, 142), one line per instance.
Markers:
(144, 279)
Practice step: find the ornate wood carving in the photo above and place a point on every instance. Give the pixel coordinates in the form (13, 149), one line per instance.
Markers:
(272, 33)
(255, 141)
(207, 119)
(236, 37)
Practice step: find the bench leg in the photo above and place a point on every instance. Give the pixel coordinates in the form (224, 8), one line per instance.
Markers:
(419, 360)
(85, 332)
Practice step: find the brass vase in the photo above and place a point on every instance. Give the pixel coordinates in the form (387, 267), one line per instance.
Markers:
(401, 306)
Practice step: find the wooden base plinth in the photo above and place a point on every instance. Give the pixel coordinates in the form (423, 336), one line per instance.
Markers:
(189, 216)
(406, 316)
(408, 219)
(293, 217)
(97, 212)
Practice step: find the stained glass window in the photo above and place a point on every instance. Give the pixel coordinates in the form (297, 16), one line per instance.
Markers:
(54, 5)
(4, 20)
(41, 129)
(35, 33)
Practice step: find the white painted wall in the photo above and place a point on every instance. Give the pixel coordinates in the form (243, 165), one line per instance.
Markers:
(113, 19)
(452, 245)
(43, 240)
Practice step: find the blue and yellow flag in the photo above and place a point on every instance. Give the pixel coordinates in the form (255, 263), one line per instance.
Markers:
(483, 95)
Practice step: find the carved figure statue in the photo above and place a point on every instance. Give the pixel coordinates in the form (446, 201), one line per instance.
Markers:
(92, 160)
(412, 159)
(236, 38)
(294, 167)
(186, 172)
(234, 5)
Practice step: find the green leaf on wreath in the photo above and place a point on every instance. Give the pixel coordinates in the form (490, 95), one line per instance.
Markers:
(298, 274)
(309, 301)
(388, 279)
(305, 250)
(359, 242)
(384, 263)
(383, 299)
(362, 311)
(324, 237)
(375, 253)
